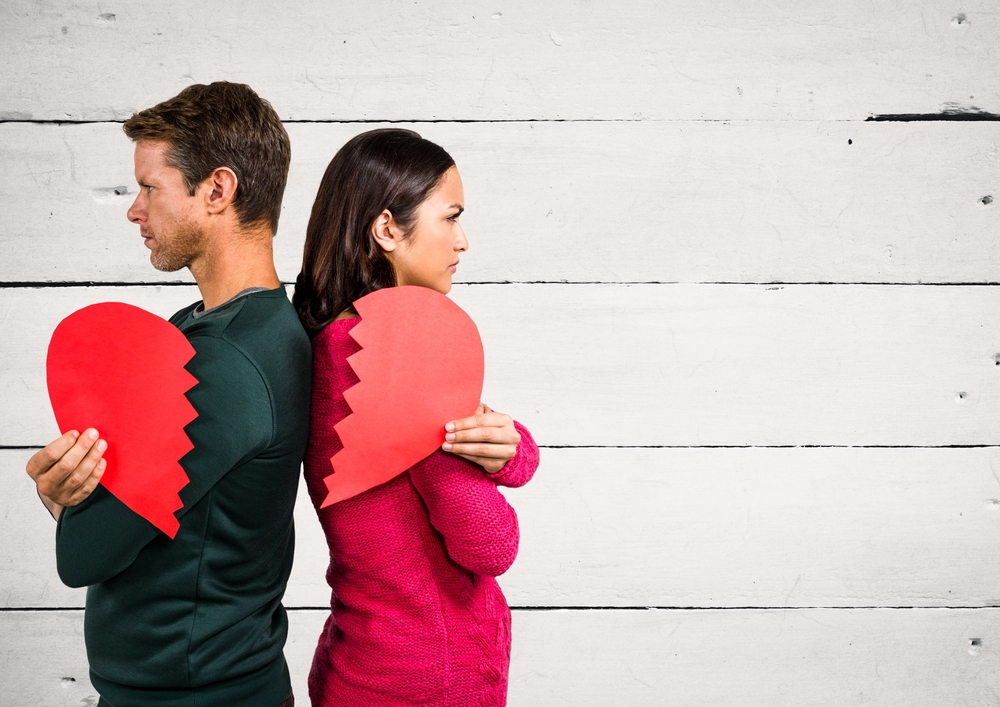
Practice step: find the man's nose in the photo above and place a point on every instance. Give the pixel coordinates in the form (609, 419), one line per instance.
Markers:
(135, 212)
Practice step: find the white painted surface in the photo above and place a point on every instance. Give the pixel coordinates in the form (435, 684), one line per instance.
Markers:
(777, 658)
(756, 658)
(587, 202)
(43, 660)
(730, 146)
(663, 364)
(453, 59)
(678, 527)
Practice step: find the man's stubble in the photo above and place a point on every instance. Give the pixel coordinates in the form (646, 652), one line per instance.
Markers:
(178, 250)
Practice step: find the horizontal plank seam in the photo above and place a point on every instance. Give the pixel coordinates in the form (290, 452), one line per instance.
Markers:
(714, 608)
(836, 607)
(27, 447)
(93, 283)
(883, 117)
(767, 446)
(621, 608)
(40, 284)
(412, 121)
(974, 115)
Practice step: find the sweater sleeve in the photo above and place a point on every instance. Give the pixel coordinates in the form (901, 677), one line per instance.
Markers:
(479, 527)
(101, 537)
(521, 467)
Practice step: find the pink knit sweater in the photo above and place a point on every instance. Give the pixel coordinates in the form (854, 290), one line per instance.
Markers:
(416, 616)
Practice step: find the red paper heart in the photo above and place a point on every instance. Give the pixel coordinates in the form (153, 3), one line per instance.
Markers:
(420, 366)
(120, 369)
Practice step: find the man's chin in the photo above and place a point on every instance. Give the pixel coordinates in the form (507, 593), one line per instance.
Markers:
(166, 265)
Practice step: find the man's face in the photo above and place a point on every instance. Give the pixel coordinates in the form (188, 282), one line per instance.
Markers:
(167, 216)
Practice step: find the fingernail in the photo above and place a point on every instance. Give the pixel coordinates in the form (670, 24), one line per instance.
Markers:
(446, 446)
(101, 464)
(92, 433)
(450, 436)
(102, 445)
(450, 427)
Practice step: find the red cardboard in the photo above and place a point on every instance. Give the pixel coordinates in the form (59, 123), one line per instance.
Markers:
(120, 369)
(420, 366)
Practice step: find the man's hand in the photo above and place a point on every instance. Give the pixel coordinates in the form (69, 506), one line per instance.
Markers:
(487, 438)
(67, 471)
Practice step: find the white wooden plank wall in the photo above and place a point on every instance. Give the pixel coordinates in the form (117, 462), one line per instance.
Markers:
(755, 333)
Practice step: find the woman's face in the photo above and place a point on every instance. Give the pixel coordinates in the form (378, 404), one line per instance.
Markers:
(429, 256)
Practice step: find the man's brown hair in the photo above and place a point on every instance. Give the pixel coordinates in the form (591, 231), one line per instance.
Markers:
(223, 125)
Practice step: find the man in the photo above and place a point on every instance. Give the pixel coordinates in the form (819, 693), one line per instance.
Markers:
(197, 620)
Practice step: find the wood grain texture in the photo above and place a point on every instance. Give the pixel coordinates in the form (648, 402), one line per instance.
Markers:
(28, 577)
(749, 658)
(694, 365)
(662, 365)
(677, 527)
(605, 143)
(43, 660)
(584, 202)
(759, 527)
(804, 658)
(89, 60)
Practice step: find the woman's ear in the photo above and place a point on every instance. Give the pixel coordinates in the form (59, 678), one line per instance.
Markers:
(386, 231)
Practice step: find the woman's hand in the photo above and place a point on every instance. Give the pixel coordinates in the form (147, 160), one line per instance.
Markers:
(487, 438)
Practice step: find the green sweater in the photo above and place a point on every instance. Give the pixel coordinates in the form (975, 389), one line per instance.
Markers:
(197, 620)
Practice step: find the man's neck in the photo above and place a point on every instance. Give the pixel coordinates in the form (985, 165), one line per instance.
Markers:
(234, 263)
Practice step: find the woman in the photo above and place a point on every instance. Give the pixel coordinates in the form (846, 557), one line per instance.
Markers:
(416, 616)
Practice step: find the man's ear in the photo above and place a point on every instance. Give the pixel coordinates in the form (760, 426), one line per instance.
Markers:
(386, 231)
(220, 189)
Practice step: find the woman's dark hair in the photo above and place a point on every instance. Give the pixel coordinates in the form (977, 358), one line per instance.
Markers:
(390, 169)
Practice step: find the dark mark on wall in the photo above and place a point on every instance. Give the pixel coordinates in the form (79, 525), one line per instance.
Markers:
(109, 191)
(951, 111)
